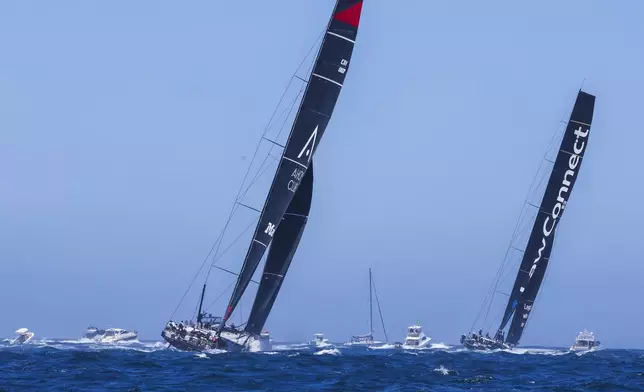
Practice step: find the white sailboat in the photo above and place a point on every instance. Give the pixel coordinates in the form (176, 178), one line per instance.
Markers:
(367, 340)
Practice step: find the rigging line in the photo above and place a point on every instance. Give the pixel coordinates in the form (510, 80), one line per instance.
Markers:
(219, 296)
(236, 239)
(266, 129)
(232, 273)
(217, 257)
(260, 172)
(489, 298)
(382, 321)
(217, 244)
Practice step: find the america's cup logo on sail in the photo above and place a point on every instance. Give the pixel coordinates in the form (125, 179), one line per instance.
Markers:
(307, 151)
(310, 145)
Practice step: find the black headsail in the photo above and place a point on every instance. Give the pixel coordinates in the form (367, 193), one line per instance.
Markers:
(314, 113)
(537, 253)
(287, 238)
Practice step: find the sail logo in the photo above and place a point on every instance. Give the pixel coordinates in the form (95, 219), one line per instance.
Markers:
(550, 222)
(343, 66)
(270, 229)
(310, 145)
(294, 184)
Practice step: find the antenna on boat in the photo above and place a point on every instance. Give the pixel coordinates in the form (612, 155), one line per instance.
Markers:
(199, 315)
(370, 304)
(382, 320)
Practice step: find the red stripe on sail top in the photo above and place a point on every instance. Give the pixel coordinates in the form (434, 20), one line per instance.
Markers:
(350, 15)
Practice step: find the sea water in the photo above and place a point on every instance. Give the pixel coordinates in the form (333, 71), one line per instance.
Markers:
(55, 365)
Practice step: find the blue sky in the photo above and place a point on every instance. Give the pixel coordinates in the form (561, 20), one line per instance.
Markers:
(126, 128)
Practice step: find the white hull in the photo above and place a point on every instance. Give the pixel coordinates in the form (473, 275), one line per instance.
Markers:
(320, 342)
(585, 342)
(23, 338)
(577, 349)
(364, 344)
(126, 337)
(248, 343)
(423, 344)
(116, 335)
(324, 344)
(416, 338)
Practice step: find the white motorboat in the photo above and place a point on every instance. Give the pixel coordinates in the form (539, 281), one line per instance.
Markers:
(416, 338)
(115, 335)
(24, 336)
(585, 342)
(319, 341)
(93, 333)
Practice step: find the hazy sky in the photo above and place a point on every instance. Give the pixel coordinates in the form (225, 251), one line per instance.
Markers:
(126, 129)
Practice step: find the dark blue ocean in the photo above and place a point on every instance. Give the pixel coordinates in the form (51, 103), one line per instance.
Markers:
(52, 365)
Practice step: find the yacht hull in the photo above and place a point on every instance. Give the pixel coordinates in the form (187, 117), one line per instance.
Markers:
(488, 345)
(199, 339)
(23, 338)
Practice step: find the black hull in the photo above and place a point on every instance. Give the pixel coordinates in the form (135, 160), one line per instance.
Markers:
(484, 345)
(202, 340)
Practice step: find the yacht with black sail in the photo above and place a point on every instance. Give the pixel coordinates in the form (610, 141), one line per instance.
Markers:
(367, 339)
(282, 219)
(536, 255)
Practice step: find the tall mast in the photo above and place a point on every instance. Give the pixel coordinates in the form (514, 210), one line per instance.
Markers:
(203, 292)
(370, 305)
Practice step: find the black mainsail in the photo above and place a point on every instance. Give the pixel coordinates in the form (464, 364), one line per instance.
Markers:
(314, 113)
(536, 254)
(539, 248)
(285, 242)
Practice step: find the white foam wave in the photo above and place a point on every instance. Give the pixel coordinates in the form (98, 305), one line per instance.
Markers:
(440, 346)
(444, 371)
(536, 351)
(201, 355)
(333, 351)
(216, 351)
(291, 347)
(383, 347)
